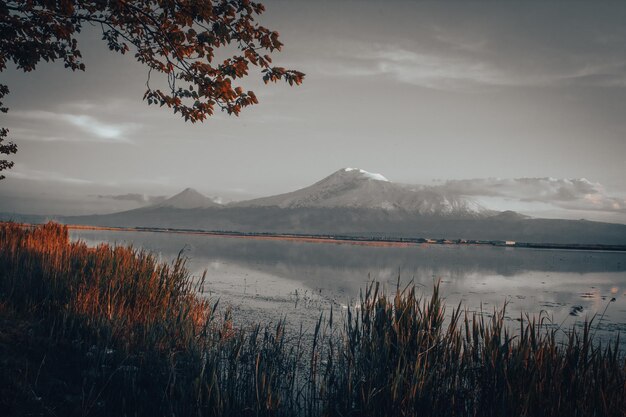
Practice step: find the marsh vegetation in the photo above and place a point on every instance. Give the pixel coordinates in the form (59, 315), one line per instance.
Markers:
(95, 331)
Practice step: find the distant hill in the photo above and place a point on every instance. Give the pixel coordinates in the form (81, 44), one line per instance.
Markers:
(356, 202)
(365, 222)
(188, 199)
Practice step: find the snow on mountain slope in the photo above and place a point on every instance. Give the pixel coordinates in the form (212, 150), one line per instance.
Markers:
(370, 175)
(356, 188)
(188, 199)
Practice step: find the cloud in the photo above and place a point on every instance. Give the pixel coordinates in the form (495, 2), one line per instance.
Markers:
(434, 71)
(19, 171)
(135, 197)
(415, 68)
(468, 67)
(91, 125)
(97, 130)
(570, 194)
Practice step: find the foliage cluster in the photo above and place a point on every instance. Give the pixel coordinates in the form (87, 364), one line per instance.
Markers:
(178, 38)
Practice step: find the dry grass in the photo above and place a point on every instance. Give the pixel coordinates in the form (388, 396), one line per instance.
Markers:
(110, 331)
(130, 336)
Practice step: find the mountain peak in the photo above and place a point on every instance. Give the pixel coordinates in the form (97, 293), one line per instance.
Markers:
(187, 199)
(365, 174)
(354, 188)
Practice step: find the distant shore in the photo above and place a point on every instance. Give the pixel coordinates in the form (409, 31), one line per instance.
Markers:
(354, 240)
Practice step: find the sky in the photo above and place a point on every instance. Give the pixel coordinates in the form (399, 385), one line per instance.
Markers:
(520, 105)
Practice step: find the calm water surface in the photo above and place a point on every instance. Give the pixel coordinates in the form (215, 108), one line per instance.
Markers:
(263, 280)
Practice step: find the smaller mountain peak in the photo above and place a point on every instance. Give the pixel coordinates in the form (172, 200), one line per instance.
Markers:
(189, 190)
(366, 174)
(188, 198)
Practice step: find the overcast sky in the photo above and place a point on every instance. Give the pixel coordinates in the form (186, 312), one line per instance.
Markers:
(421, 92)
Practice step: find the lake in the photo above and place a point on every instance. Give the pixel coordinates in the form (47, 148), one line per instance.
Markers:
(266, 280)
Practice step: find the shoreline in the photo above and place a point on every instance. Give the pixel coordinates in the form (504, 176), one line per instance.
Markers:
(353, 240)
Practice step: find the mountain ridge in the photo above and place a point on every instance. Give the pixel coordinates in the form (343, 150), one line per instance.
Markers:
(357, 188)
(352, 201)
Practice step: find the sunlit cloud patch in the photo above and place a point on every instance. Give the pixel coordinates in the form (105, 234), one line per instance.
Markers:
(53, 126)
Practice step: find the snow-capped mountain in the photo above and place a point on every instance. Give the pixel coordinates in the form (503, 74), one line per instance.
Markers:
(188, 199)
(356, 202)
(357, 188)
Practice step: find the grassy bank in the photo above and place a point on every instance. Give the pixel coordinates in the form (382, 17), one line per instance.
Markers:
(111, 332)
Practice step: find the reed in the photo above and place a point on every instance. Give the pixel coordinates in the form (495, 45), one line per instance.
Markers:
(110, 331)
(398, 358)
